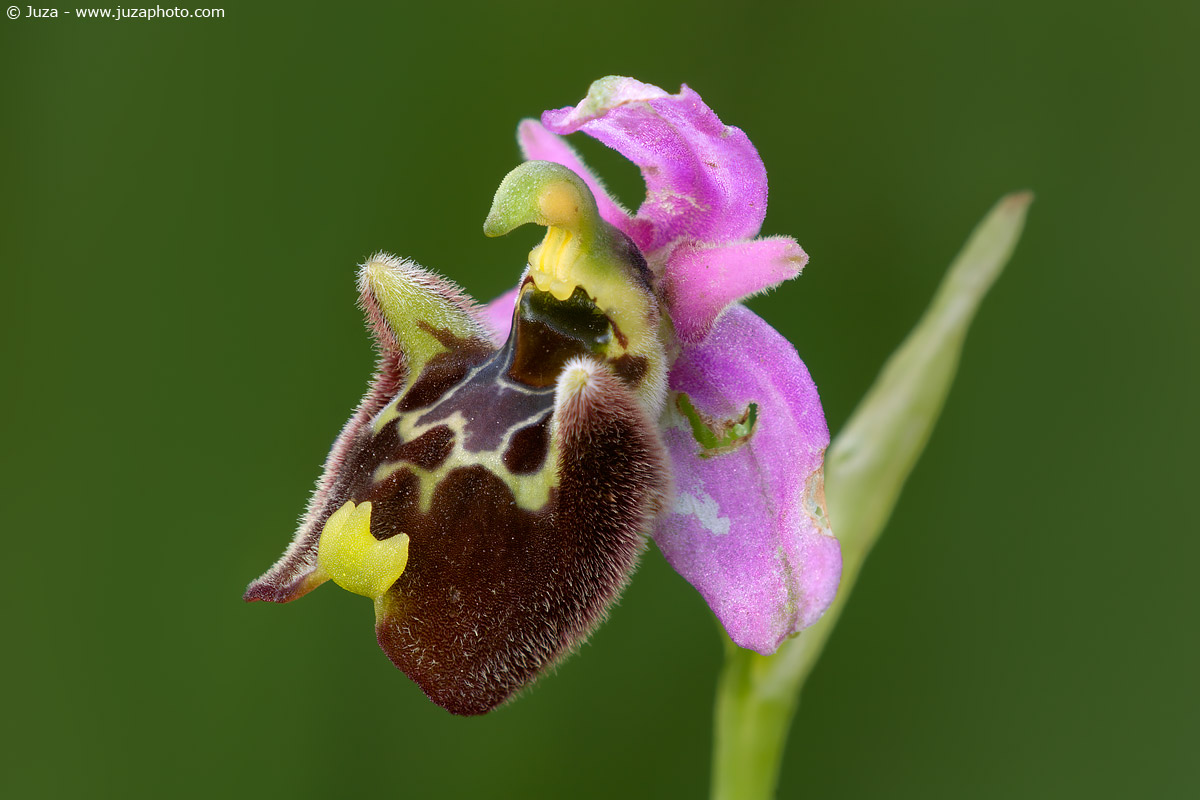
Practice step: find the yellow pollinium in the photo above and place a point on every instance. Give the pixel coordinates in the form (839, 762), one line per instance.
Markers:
(551, 263)
(356, 560)
(560, 206)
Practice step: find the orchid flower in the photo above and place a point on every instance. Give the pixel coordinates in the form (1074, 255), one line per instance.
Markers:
(495, 487)
(744, 426)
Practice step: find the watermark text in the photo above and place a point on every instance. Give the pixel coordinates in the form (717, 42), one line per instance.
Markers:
(116, 13)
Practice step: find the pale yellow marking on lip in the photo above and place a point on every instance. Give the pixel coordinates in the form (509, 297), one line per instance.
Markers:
(531, 492)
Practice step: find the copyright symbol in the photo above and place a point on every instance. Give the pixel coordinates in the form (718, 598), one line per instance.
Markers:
(13, 12)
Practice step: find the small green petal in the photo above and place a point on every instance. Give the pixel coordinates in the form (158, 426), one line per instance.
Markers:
(716, 436)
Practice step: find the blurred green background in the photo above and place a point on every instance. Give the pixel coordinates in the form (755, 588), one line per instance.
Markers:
(183, 206)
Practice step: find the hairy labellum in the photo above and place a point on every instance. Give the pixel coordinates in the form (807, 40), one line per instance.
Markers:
(493, 500)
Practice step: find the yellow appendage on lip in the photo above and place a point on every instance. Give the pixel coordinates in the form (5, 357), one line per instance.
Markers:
(356, 560)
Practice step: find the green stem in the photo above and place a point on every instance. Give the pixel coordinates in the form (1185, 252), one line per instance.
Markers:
(751, 727)
(866, 467)
(757, 698)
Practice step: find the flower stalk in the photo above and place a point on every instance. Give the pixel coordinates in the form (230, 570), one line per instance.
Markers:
(866, 468)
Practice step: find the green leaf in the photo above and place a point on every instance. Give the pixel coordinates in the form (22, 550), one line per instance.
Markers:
(873, 455)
